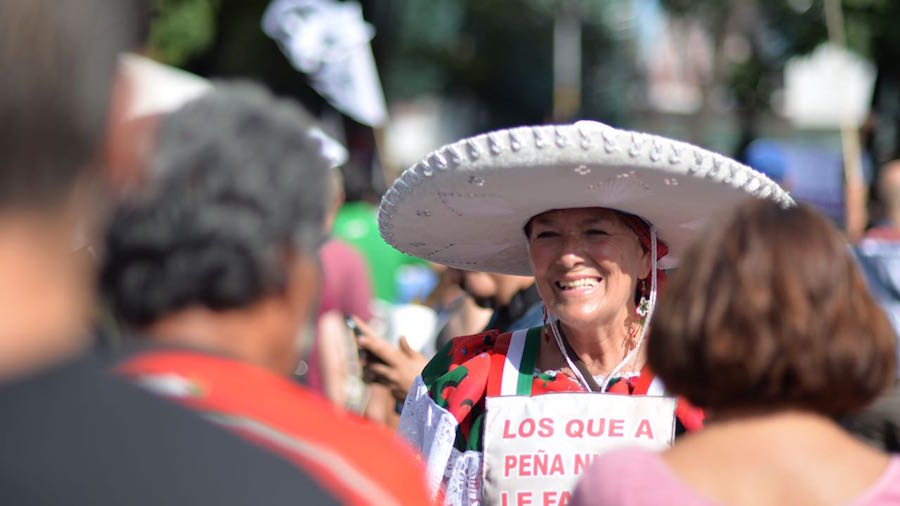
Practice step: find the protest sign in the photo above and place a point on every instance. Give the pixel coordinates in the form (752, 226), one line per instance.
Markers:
(536, 447)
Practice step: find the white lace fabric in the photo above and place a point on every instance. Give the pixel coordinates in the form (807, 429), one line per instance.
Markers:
(462, 478)
(432, 429)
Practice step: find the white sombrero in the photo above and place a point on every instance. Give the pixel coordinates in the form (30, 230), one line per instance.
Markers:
(466, 204)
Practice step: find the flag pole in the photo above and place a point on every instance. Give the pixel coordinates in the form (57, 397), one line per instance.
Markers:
(387, 165)
(855, 191)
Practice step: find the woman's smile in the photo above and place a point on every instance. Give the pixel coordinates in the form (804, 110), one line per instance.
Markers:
(577, 287)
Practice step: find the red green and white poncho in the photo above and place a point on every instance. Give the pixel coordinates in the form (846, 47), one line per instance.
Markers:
(444, 411)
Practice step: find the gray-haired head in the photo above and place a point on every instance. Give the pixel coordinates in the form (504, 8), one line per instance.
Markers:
(237, 188)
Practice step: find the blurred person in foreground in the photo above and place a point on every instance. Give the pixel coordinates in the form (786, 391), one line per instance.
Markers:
(593, 213)
(70, 432)
(53, 100)
(215, 262)
(878, 254)
(773, 333)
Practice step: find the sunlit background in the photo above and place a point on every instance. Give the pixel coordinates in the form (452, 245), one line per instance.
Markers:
(804, 90)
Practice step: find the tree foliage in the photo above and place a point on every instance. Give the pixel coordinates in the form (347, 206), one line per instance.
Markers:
(181, 29)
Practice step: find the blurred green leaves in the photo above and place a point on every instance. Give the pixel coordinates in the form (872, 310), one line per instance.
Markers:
(181, 29)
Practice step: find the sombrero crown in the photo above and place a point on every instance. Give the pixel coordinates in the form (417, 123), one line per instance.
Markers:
(466, 204)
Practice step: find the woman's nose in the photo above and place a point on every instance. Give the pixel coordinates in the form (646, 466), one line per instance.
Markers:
(571, 251)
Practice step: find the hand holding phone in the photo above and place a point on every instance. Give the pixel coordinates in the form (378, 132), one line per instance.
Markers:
(395, 366)
(365, 355)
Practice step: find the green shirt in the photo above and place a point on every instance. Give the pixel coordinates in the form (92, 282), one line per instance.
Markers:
(357, 224)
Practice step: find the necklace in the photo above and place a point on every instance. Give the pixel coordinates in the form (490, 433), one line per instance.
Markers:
(576, 365)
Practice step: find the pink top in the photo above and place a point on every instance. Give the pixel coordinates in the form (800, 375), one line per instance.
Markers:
(621, 477)
(345, 281)
(345, 288)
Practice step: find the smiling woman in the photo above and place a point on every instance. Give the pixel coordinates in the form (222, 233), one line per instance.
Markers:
(587, 263)
(594, 214)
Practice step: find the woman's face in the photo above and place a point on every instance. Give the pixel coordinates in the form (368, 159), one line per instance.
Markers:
(586, 264)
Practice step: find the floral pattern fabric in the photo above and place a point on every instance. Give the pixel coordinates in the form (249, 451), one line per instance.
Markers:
(444, 412)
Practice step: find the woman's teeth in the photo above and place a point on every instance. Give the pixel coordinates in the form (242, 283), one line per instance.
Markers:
(578, 283)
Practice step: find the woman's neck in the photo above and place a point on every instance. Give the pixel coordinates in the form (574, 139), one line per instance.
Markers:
(601, 348)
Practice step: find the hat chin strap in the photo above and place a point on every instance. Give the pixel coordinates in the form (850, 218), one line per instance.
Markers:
(562, 349)
(628, 358)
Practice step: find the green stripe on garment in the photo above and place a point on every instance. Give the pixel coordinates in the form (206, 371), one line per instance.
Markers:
(529, 357)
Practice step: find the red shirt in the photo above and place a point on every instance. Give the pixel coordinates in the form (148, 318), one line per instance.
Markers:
(362, 463)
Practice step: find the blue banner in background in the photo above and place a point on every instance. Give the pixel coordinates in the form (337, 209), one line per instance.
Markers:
(813, 173)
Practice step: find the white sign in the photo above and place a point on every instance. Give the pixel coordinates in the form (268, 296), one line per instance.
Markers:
(535, 448)
(829, 88)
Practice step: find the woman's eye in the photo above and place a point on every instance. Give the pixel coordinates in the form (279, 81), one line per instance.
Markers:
(545, 234)
(596, 232)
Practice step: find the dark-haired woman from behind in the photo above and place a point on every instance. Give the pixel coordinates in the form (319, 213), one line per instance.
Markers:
(774, 334)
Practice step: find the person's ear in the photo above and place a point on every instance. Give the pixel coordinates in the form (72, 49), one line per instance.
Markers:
(303, 285)
(646, 264)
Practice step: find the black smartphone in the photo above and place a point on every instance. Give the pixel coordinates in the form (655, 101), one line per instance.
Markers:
(364, 355)
(351, 324)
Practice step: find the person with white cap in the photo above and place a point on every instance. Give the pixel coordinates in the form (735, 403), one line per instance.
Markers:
(594, 214)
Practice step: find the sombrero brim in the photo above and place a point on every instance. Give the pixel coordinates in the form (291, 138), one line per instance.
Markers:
(465, 205)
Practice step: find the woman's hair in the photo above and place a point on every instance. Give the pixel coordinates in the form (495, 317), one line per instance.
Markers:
(768, 310)
(239, 188)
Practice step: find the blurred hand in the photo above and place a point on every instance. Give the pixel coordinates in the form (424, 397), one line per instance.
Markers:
(393, 366)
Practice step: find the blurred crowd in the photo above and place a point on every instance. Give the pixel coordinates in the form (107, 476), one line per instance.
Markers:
(191, 313)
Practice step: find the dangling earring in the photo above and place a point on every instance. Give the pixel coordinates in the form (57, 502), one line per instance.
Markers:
(643, 306)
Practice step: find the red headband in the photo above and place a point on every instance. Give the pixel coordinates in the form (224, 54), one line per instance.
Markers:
(642, 230)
